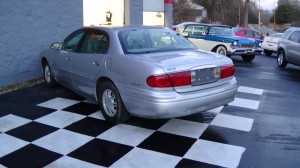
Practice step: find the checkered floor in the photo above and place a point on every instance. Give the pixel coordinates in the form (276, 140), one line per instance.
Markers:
(73, 133)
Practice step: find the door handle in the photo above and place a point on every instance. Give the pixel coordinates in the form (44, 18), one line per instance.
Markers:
(96, 63)
(68, 58)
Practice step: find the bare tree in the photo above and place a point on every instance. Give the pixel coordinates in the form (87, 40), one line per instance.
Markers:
(246, 12)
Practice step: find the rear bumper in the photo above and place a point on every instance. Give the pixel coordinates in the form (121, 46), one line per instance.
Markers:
(179, 104)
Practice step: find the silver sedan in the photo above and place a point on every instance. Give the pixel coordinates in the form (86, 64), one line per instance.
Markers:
(149, 72)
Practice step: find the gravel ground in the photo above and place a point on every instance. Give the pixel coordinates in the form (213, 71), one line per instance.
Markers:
(13, 87)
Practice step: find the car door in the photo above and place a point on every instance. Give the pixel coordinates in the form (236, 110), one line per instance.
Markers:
(294, 47)
(87, 64)
(62, 62)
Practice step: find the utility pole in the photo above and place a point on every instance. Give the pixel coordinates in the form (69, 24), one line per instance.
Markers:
(259, 16)
(274, 19)
(239, 13)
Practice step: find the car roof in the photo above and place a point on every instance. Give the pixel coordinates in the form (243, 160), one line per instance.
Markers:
(120, 28)
(294, 28)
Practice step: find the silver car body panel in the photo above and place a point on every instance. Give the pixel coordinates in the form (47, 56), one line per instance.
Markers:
(291, 48)
(129, 73)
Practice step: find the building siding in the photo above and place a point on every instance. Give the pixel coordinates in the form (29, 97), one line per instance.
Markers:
(29, 26)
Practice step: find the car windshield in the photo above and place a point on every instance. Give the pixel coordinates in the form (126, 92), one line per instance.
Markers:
(220, 31)
(152, 40)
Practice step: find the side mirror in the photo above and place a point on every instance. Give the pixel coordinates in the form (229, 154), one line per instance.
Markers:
(55, 45)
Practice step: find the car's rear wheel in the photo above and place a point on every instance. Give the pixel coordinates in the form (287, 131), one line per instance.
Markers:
(281, 61)
(48, 75)
(221, 50)
(268, 52)
(248, 58)
(111, 104)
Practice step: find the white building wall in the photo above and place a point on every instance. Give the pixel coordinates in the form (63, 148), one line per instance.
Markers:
(29, 26)
(94, 12)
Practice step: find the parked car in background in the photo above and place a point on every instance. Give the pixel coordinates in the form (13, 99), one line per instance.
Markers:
(270, 43)
(249, 33)
(149, 72)
(289, 47)
(220, 39)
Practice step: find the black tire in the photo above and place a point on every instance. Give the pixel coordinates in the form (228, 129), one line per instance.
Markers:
(248, 58)
(281, 60)
(221, 50)
(268, 52)
(47, 74)
(111, 104)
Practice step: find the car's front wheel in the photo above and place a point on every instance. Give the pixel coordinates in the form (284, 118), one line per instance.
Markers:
(268, 52)
(281, 61)
(111, 104)
(221, 50)
(48, 75)
(248, 58)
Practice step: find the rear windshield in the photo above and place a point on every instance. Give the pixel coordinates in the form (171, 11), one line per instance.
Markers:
(152, 40)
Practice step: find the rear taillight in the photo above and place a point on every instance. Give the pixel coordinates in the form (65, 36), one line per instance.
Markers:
(160, 81)
(227, 71)
(170, 80)
(181, 78)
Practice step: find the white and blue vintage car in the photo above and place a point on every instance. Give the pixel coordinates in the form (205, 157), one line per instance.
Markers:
(220, 39)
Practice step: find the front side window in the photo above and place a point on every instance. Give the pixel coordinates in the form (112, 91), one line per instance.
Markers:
(152, 40)
(249, 33)
(295, 36)
(72, 42)
(257, 35)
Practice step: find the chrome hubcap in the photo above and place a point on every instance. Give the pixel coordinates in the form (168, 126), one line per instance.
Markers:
(221, 51)
(280, 59)
(47, 74)
(109, 102)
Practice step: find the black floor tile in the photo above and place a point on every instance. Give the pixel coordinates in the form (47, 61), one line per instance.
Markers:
(146, 123)
(248, 96)
(83, 108)
(186, 163)
(203, 117)
(29, 156)
(31, 131)
(168, 143)
(101, 152)
(90, 126)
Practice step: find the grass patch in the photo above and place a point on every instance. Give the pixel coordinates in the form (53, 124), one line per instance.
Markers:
(24, 84)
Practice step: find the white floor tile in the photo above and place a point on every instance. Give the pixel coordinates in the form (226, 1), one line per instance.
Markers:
(216, 110)
(215, 153)
(146, 159)
(126, 134)
(97, 115)
(250, 90)
(184, 128)
(62, 141)
(66, 161)
(60, 119)
(9, 144)
(1, 166)
(233, 122)
(58, 103)
(11, 121)
(245, 103)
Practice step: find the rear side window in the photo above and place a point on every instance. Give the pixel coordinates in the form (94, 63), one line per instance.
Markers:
(95, 41)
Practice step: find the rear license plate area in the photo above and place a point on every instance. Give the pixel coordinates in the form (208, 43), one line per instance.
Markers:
(203, 76)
